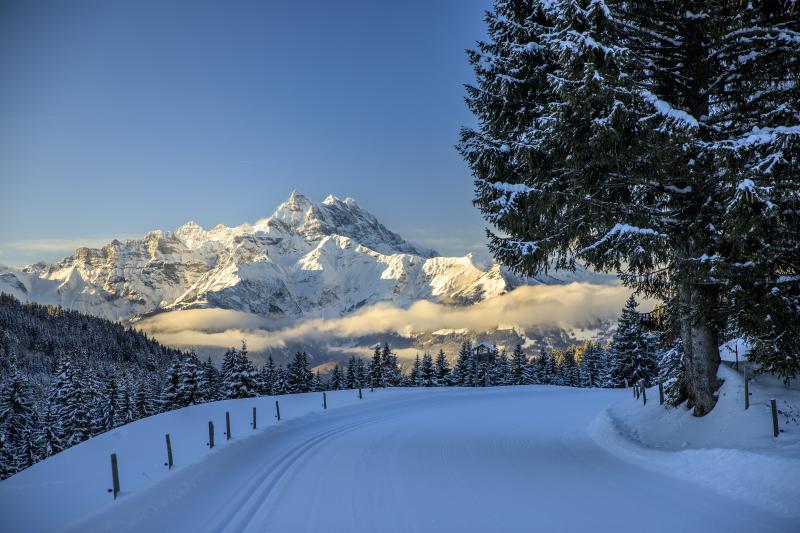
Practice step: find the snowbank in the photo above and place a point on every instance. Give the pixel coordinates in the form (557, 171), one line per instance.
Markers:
(730, 451)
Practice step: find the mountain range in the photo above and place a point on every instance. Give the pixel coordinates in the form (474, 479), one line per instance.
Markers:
(306, 260)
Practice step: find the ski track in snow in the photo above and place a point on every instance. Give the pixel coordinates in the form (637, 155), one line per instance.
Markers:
(411, 460)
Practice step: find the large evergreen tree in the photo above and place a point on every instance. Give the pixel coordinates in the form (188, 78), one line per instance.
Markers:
(634, 137)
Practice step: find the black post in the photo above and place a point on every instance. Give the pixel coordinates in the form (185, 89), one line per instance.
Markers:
(644, 394)
(277, 411)
(359, 393)
(114, 475)
(324, 401)
(210, 434)
(254, 418)
(746, 390)
(228, 424)
(660, 393)
(775, 430)
(736, 346)
(169, 452)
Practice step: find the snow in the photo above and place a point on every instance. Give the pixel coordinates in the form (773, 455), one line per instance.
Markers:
(729, 350)
(730, 451)
(440, 459)
(620, 230)
(667, 110)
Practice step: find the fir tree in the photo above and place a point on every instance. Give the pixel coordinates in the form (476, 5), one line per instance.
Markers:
(464, 368)
(442, 369)
(109, 407)
(392, 374)
(501, 370)
(240, 378)
(519, 362)
(69, 397)
(281, 383)
(631, 350)
(415, 377)
(17, 429)
(376, 373)
(427, 371)
(170, 393)
(336, 380)
(192, 385)
(266, 377)
(298, 375)
(212, 381)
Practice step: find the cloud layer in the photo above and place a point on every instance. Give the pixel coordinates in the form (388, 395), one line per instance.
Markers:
(570, 305)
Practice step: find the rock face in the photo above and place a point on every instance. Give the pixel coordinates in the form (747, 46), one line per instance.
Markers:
(305, 260)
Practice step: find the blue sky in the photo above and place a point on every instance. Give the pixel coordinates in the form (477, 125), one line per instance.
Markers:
(117, 118)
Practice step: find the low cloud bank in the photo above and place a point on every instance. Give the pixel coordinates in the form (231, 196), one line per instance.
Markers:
(570, 305)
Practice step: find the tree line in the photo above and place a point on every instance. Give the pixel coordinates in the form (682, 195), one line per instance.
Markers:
(85, 398)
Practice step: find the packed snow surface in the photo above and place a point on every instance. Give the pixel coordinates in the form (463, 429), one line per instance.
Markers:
(441, 459)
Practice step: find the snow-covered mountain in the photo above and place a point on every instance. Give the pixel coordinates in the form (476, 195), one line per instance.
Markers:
(307, 259)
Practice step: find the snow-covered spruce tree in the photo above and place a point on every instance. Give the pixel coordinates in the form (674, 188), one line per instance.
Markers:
(631, 351)
(298, 375)
(519, 361)
(376, 373)
(240, 378)
(545, 368)
(145, 403)
(127, 408)
(192, 386)
(442, 369)
(212, 381)
(427, 371)
(617, 133)
(463, 370)
(316, 382)
(17, 424)
(109, 409)
(336, 380)
(392, 374)
(414, 377)
(49, 441)
(351, 378)
(591, 367)
(169, 394)
(69, 399)
(281, 383)
(266, 377)
(501, 370)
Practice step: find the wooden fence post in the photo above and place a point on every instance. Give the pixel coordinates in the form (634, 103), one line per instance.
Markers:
(736, 346)
(254, 418)
(168, 464)
(228, 425)
(210, 434)
(660, 393)
(114, 476)
(746, 390)
(324, 400)
(775, 429)
(277, 411)
(644, 394)
(359, 392)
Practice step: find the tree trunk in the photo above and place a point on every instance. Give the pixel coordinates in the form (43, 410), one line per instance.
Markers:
(701, 348)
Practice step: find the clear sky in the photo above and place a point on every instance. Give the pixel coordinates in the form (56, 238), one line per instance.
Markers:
(117, 118)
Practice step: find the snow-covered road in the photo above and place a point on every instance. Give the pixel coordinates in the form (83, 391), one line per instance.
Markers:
(500, 459)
